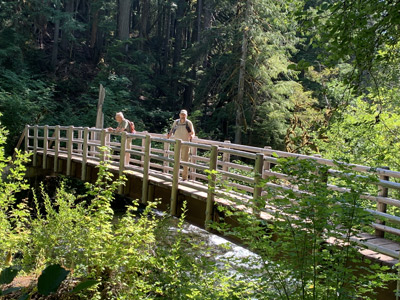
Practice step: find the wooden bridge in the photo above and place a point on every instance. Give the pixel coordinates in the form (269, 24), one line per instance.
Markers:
(152, 165)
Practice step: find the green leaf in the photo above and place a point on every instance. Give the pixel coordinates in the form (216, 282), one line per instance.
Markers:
(24, 297)
(8, 275)
(51, 278)
(84, 285)
(10, 290)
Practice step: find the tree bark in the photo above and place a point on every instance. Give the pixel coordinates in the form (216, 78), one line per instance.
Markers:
(69, 9)
(144, 19)
(242, 73)
(54, 53)
(124, 12)
(95, 26)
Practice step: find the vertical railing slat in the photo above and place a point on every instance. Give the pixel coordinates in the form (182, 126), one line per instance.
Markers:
(258, 170)
(35, 145)
(56, 147)
(143, 147)
(103, 143)
(70, 137)
(226, 157)
(193, 159)
(93, 138)
(166, 163)
(381, 207)
(267, 164)
(146, 168)
(175, 176)
(27, 137)
(45, 145)
(211, 186)
(122, 160)
(84, 152)
(80, 137)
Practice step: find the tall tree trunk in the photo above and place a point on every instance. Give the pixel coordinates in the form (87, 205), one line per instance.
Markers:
(95, 26)
(135, 23)
(180, 12)
(167, 35)
(69, 9)
(189, 88)
(124, 12)
(54, 53)
(144, 19)
(178, 33)
(198, 23)
(242, 73)
(96, 35)
(207, 22)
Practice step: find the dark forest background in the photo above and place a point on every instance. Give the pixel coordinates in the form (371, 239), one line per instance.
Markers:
(300, 76)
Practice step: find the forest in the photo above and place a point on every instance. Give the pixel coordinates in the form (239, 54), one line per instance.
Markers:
(302, 76)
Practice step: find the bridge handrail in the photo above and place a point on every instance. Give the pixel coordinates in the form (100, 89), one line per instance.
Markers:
(151, 155)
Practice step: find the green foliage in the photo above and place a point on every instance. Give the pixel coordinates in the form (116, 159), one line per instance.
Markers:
(304, 246)
(366, 132)
(269, 83)
(14, 215)
(24, 99)
(7, 275)
(50, 279)
(126, 257)
(359, 31)
(48, 283)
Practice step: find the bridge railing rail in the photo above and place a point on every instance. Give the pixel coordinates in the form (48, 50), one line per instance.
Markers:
(239, 166)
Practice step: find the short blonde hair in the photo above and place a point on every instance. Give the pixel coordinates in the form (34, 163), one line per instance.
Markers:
(120, 114)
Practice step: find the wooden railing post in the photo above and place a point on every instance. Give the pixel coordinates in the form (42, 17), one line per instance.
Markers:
(258, 171)
(84, 152)
(56, 147)
(143, 146)
(103, 143)
(122, 160)
(17, 147)
(226, 157)
(175, 176)
(146, 168)
(381, 207)
(193, 159)
(267, 164)
(80, 136)
(165, 163)
(45, 145)
(324, 176)
(70, 136)
(93, 137)
(211, 186)
(35, 144)
(26, 137)
(128, 146)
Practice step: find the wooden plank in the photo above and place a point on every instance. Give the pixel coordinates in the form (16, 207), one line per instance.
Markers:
(384, 259)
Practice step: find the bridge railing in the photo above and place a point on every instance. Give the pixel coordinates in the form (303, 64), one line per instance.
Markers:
(240, 166)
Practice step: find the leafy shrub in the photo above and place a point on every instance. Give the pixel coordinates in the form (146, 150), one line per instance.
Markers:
(304, 242)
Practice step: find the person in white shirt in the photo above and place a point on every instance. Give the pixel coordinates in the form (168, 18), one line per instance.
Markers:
(183, 129)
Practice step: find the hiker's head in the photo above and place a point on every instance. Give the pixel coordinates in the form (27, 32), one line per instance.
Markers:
(183, 114)
(119, 116)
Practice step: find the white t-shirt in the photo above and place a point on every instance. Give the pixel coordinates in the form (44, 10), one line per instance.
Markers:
(180, 130)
